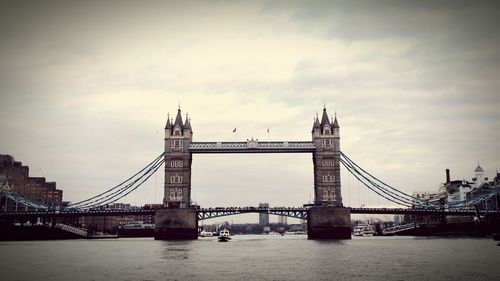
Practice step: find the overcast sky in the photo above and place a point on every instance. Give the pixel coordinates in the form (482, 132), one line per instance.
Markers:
(85, 89)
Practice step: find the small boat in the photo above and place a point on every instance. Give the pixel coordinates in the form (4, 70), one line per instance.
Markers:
(358, 231)
(368, 231)
(224, 235)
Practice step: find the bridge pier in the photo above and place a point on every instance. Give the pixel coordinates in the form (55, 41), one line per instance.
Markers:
(176, 224)
(329, 223)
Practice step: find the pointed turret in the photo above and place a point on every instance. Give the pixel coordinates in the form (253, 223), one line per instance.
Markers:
(178, 119)
(324, 118)
(168, 125)
(335, 122)
(187, 125)
(316, 129)
(315, 123)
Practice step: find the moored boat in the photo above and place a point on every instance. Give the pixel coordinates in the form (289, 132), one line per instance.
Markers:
(206, 234)
(363, 229)
(357, 231)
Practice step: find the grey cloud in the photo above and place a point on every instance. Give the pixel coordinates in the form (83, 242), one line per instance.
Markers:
(405, 113)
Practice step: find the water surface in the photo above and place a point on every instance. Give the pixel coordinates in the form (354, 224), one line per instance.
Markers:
(253, 257)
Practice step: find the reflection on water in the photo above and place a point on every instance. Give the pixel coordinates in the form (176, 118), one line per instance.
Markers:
(176, 250)
(252, 257)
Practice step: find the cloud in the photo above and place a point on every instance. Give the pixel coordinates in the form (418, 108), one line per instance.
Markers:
(86, 88)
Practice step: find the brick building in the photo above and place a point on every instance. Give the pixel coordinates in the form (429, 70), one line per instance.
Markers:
(19, 181)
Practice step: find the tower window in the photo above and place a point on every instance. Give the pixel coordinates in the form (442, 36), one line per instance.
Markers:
(327, 143)
(328, 178)
(327, 163)
(176, 164)
(176, 179)
(329, 194)
(175, 194)
(176, 144)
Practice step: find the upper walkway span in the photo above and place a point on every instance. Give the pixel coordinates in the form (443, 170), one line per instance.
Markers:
(253, 146)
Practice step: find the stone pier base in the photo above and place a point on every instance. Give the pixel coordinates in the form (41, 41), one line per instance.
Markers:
(176, 224)
(329, 223)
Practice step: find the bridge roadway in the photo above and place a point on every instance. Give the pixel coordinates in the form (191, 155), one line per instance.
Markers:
(208, 213)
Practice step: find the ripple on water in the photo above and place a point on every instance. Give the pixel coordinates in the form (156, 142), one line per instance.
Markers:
(256, 257)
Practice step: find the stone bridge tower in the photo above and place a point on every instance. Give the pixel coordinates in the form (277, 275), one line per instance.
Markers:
(178, 136)
(326, 161)
(328, 219)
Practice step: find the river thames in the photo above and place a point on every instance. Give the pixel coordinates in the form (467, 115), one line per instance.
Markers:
(253, 257)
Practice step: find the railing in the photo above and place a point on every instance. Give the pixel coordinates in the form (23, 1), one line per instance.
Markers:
(252, 146)
(72, 229)
(208, 213)
(399, 228)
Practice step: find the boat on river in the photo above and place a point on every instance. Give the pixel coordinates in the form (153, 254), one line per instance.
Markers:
(224, 235)
(363, 230)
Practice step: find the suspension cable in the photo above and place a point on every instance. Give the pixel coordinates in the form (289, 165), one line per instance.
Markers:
(114, 189)
(413, 199)
(124, 191)
(355, 174)
(352, 169)
(385, 187)
(99, 200)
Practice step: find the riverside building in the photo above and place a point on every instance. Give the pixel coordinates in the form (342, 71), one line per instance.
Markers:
(17, 179)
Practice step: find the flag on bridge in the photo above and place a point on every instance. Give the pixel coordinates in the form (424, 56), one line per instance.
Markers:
(234, 131)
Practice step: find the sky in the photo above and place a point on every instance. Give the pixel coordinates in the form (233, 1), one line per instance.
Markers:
(86, 88)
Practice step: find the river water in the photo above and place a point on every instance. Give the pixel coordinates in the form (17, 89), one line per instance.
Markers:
(253, 257)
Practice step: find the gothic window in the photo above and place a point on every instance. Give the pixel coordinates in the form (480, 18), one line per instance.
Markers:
(177, 133)
(176, 164)
(328, 178)
(176, 145)
(175, 194)
(329, 194)
(176, 179)
(327, 163)
(327, 143)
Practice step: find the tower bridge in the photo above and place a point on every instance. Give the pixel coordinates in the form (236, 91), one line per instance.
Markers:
(178, 220)
(327, 217)
(325, 149)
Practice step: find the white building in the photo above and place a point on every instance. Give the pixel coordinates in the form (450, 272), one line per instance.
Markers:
(478, 178)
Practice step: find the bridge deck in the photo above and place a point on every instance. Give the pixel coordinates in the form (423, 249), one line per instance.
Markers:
(206, 213)
(253, 146)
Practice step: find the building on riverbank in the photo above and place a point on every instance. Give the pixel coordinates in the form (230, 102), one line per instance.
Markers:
(18, 180)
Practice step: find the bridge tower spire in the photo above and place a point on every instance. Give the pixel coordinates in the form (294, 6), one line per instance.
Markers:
(326, 161)
(178, 136)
